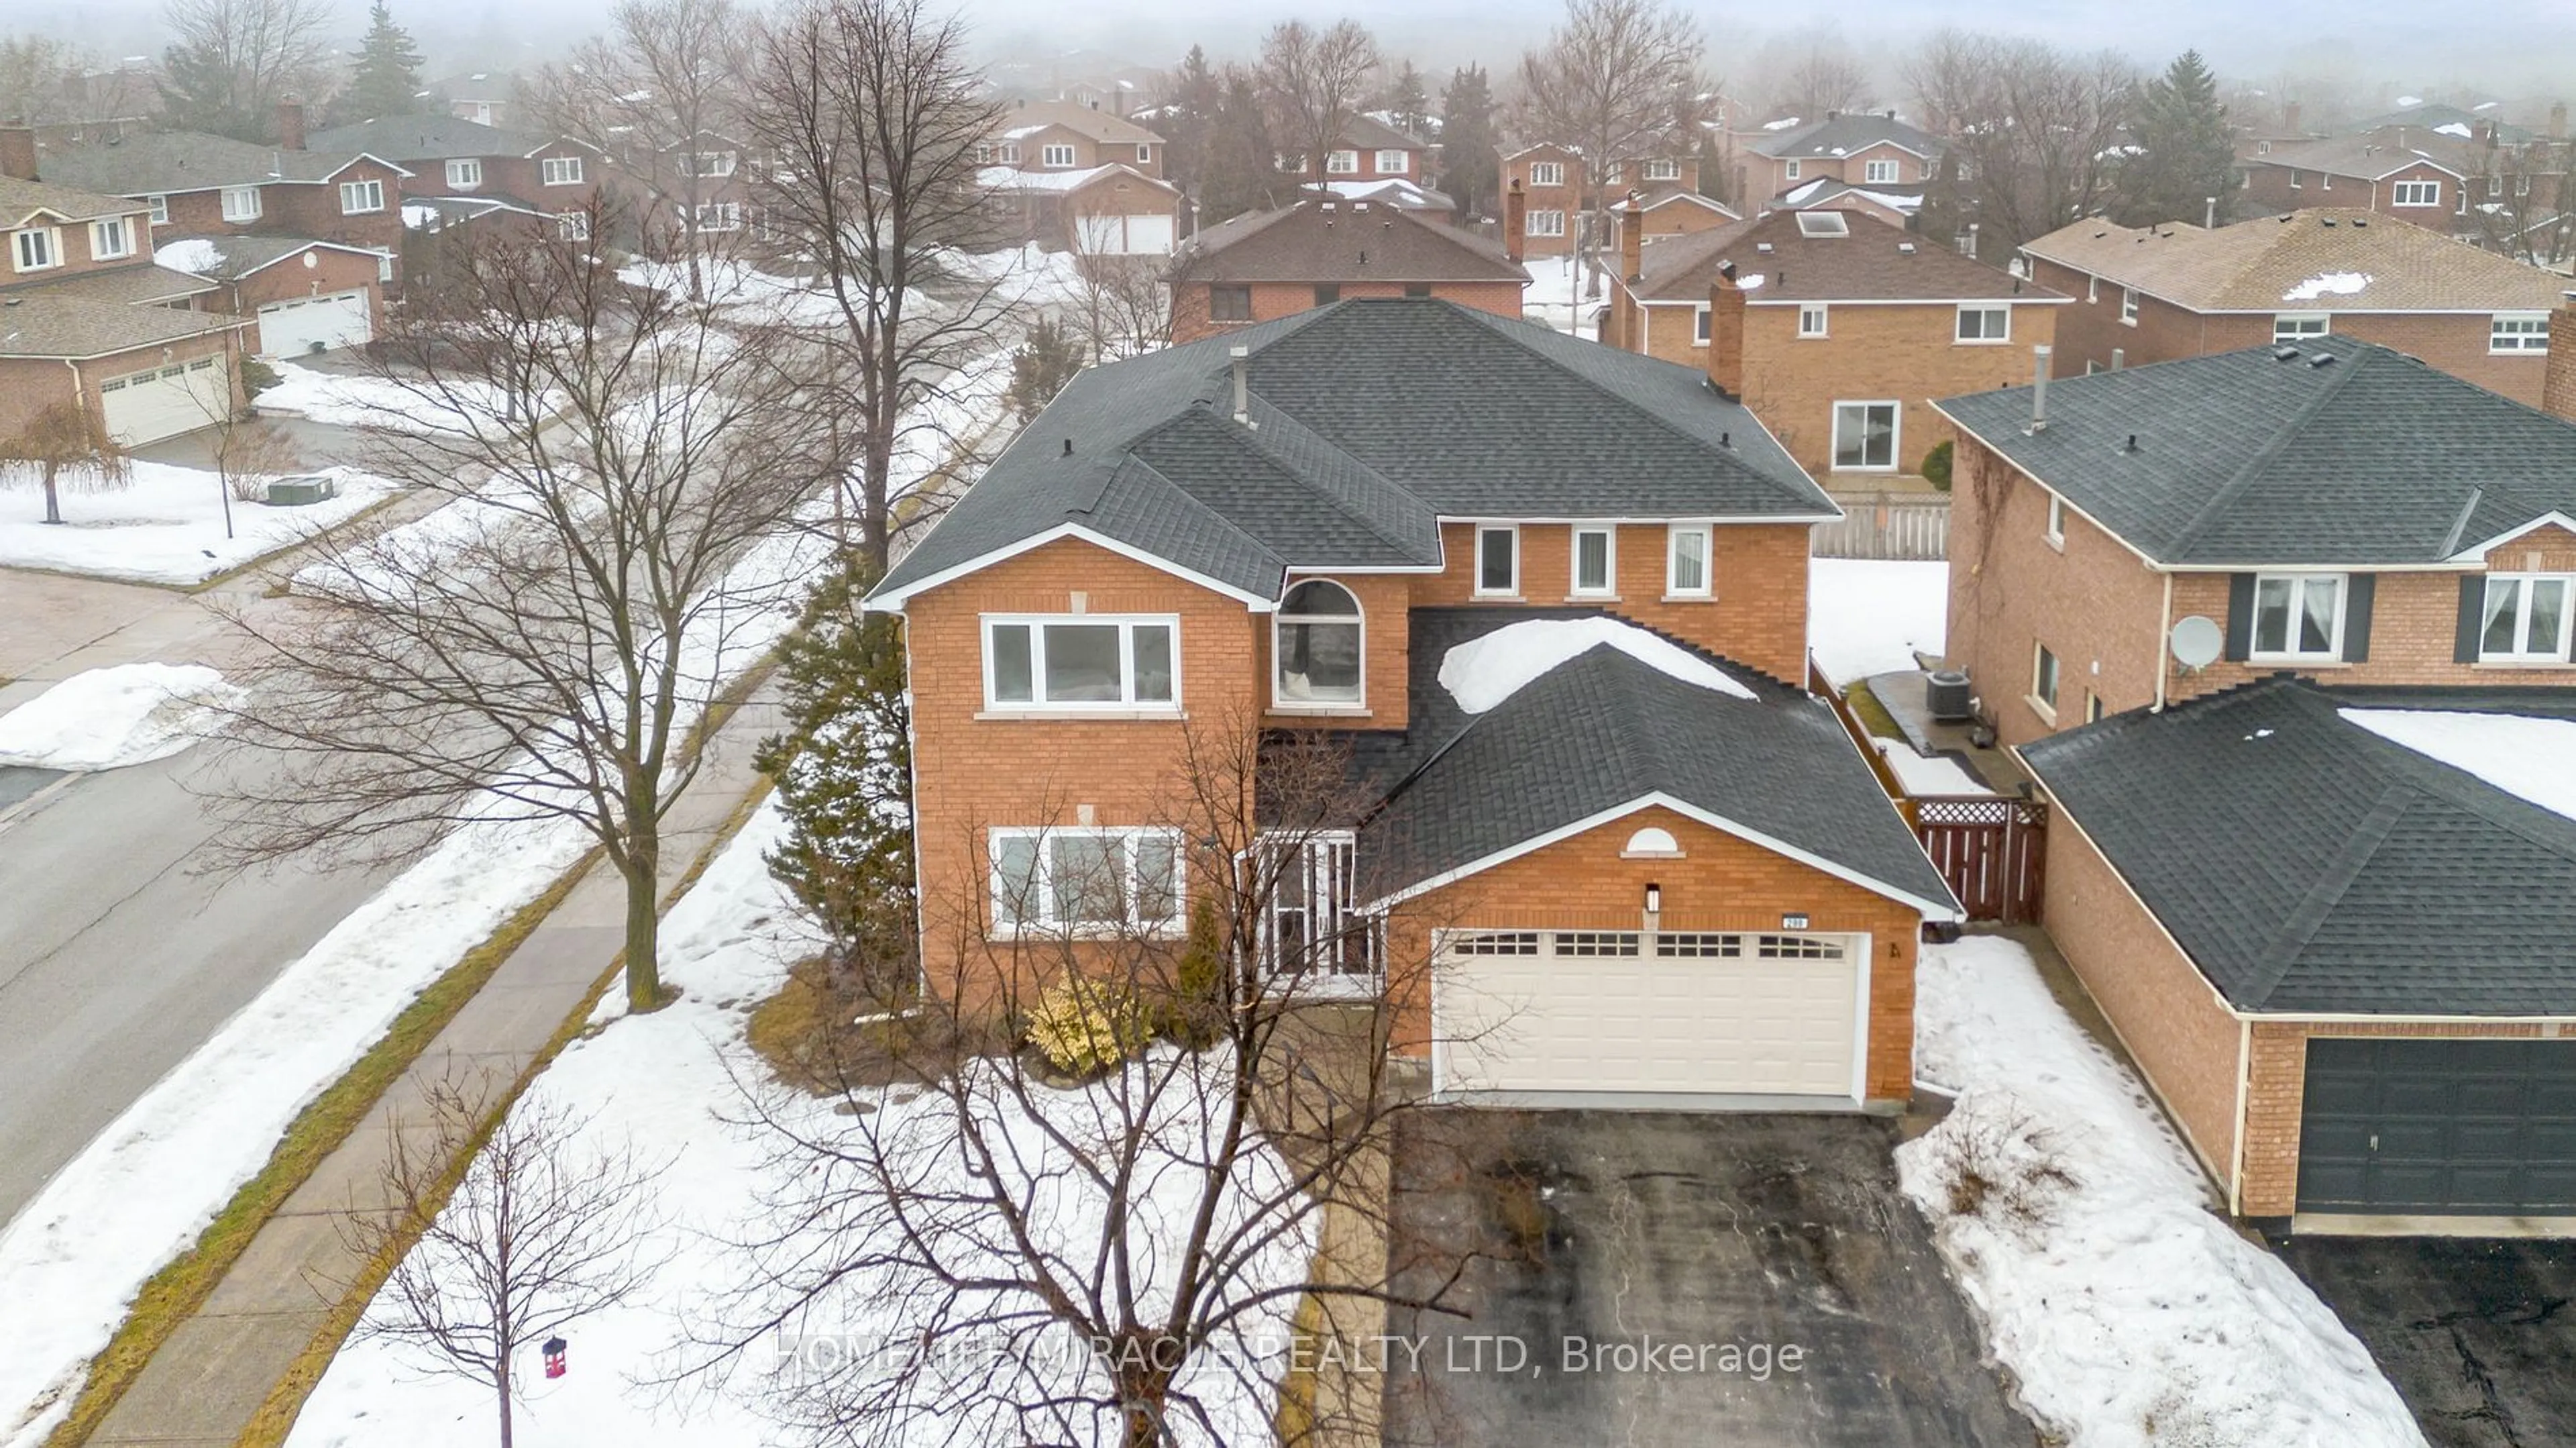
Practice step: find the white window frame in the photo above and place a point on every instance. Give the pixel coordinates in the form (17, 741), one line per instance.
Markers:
(1144, 155)
(1895, 435)
(1326, 907)
(1392, 161)
(160, 205)
(101, 248)
(2047, 679)
(1699, 325)
(1513, 531)
(1280, 618)
(2092, 289)
(715, 216)
(559, 171)
(1059, 153)
(1663, 169)
(1609, 585)
(464, 173)
(1673, 536)
(1037, 625)
(1789, 170)
(2128, 306)
(1880, 171)
(241, 203)
(1041, 922)
(1815, 319)
(2415, 193)
(2056, 534)
(2290, 652)
(1985, 316)
(2518, 333)
(1544, 223)
(2522, 652)
(572, 225)
(358, 198)
(1341, 163)
(1009, 153)
(1547, 173)
(714, 163)
(2293, 326)
(36, 248)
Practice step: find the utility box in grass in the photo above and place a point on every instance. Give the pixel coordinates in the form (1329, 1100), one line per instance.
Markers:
(302, 490)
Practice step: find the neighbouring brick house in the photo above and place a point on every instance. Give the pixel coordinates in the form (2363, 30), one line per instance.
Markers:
(1667, 210)
(1606, 807)
(1550, 181)
(1074, 178)
(451, 157)
(85, 315)
(303, 296)
(1836, 330)
(2151, 294)
(1265, 265)
(1867, 161)
(2406, 173)
(1370, 150)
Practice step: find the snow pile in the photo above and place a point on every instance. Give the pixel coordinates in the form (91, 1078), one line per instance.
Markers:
(2452, 128)
(669, 1081)
(1785, 123)
(1867, 616)
(1485, 671)
(2130, 1314)
(342, 399)
(1555, 294)
(2529, 758)
(167, 526)
(2408, 103)
(195, 254)
(1924, 776)
(745, 295)
(110, 718)
(2327, 284)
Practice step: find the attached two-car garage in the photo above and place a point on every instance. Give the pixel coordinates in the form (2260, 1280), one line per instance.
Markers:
(300, 325)
(165, 401)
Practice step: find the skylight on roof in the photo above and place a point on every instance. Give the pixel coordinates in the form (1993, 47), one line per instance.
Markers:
(1823, 223)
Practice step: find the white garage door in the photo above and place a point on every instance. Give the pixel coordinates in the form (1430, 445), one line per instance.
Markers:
(313, 324)
(1544, 1013)
(1105, 235)
(145, 407)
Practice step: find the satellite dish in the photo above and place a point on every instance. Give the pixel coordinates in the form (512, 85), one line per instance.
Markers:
(2196, 642)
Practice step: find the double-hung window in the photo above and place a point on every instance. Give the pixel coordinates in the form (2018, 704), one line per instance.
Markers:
(1498, 560)
(1699, 325)
(465, 174)
(1789, 170)
(358, 197)
(241, 203)
(1985, 324)
(1229, 304)
(715, 163)
(2415, 193)
(1666, 169)
(111, 238)
(1545, 223)
(1811, 319)
(2128, 306)
(1547, 173)
(160, 205)
(1391, 163)
(2292, 326)
(1686, 563)
(38, 248)
(1596, 559)
(559, 171)
(2518, 332)
(2526, 618)
(2298, 616)
(1081, 662)
(1086, 881)
(573, 225)
(1865, 436)
(2043, 679)
(1341, 163)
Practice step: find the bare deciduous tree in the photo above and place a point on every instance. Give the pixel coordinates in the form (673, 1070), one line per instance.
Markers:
(1123, 306)
(1033, 1260)
(873, 117)
(543, 646)
(63, 446)
(544, 1229)
(1610, 82)
(234, 60)
(1825, 78)
(2033, 130)
(1312, 82)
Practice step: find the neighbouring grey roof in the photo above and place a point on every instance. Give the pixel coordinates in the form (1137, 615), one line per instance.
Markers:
(1846, 134)
(131, 286)
(151, 162)
(2308, 865)
(1604, 729)
(1368, 133)
(425, 138)
(1371, 420)
(35, 324)
(2276, 455)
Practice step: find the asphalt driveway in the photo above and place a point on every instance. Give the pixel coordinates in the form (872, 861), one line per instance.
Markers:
(2477, 1335)
(1656, 1278)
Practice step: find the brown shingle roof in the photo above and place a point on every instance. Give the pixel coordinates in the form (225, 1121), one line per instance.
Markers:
(2373, 154)
(36, 324)
(1875, 262)
(22, 199)
(1331, 241)
(133, 286)
(2305, 261)
(1097, 124)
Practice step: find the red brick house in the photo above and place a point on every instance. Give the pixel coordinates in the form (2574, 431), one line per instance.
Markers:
(1269, 264)
(1867, 161)
(1074, 178)
(304, 296)
(1836, 330)
(451, 157)
(2151, 294)
(2405, 173)
(1382, 528)
(86, 316)
(1667, 210)
(1551, 182)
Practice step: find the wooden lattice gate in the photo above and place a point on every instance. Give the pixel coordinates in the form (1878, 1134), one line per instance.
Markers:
(1993, 852)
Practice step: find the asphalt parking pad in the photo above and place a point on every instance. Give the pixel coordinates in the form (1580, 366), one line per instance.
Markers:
(1651, 1278)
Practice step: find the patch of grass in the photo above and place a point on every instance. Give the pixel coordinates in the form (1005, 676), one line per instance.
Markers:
(826, 1040)
(1872, 714)
(175, 1292)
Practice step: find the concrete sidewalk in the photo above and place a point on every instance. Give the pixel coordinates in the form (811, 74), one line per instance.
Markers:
(201, 1389)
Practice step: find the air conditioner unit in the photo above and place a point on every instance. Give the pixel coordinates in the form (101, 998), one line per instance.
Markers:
(301, 490)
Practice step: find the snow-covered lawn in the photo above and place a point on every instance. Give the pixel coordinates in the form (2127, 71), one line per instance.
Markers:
(167, 526)
(357, 399)
(1555, 295)
(671, 1082)
(1866, 616)
(2130, 1314)
(110, 718)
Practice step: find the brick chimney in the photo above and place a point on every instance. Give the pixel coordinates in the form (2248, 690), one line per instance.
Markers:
(1632, 238)
(18, 152)
(1726, 332)
(2558, 385)
(1515, 217)
(290, 125)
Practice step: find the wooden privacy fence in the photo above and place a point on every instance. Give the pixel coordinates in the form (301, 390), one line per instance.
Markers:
(1912, 526)
(1992, 850)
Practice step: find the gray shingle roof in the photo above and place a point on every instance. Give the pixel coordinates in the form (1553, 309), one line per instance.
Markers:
(1341, 241)
(132, 286)
(1603, 730)
(164, 161)
(1373, 420)
(2248, 458)
(36, 324)
(22, 199)
(1844, 134)
(2308, 865)
(424, 138)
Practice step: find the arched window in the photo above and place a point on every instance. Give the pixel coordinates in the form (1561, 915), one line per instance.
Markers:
(1316, 638)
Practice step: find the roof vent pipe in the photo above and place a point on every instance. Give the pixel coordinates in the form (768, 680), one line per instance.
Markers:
(2039, 389)
(2209, 213)
(1242, 384)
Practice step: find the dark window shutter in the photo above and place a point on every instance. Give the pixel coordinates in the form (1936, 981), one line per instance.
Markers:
(2473, 618)
(2240, 616)
(2358, 590)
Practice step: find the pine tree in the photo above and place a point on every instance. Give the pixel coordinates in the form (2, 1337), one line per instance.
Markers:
(844, 779)
(1042, 366)
(200, 92)
(1242, 167)
(2184, 154)
(1408, 100)
(1471, 169)
(386, 81)
(1188, 114)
